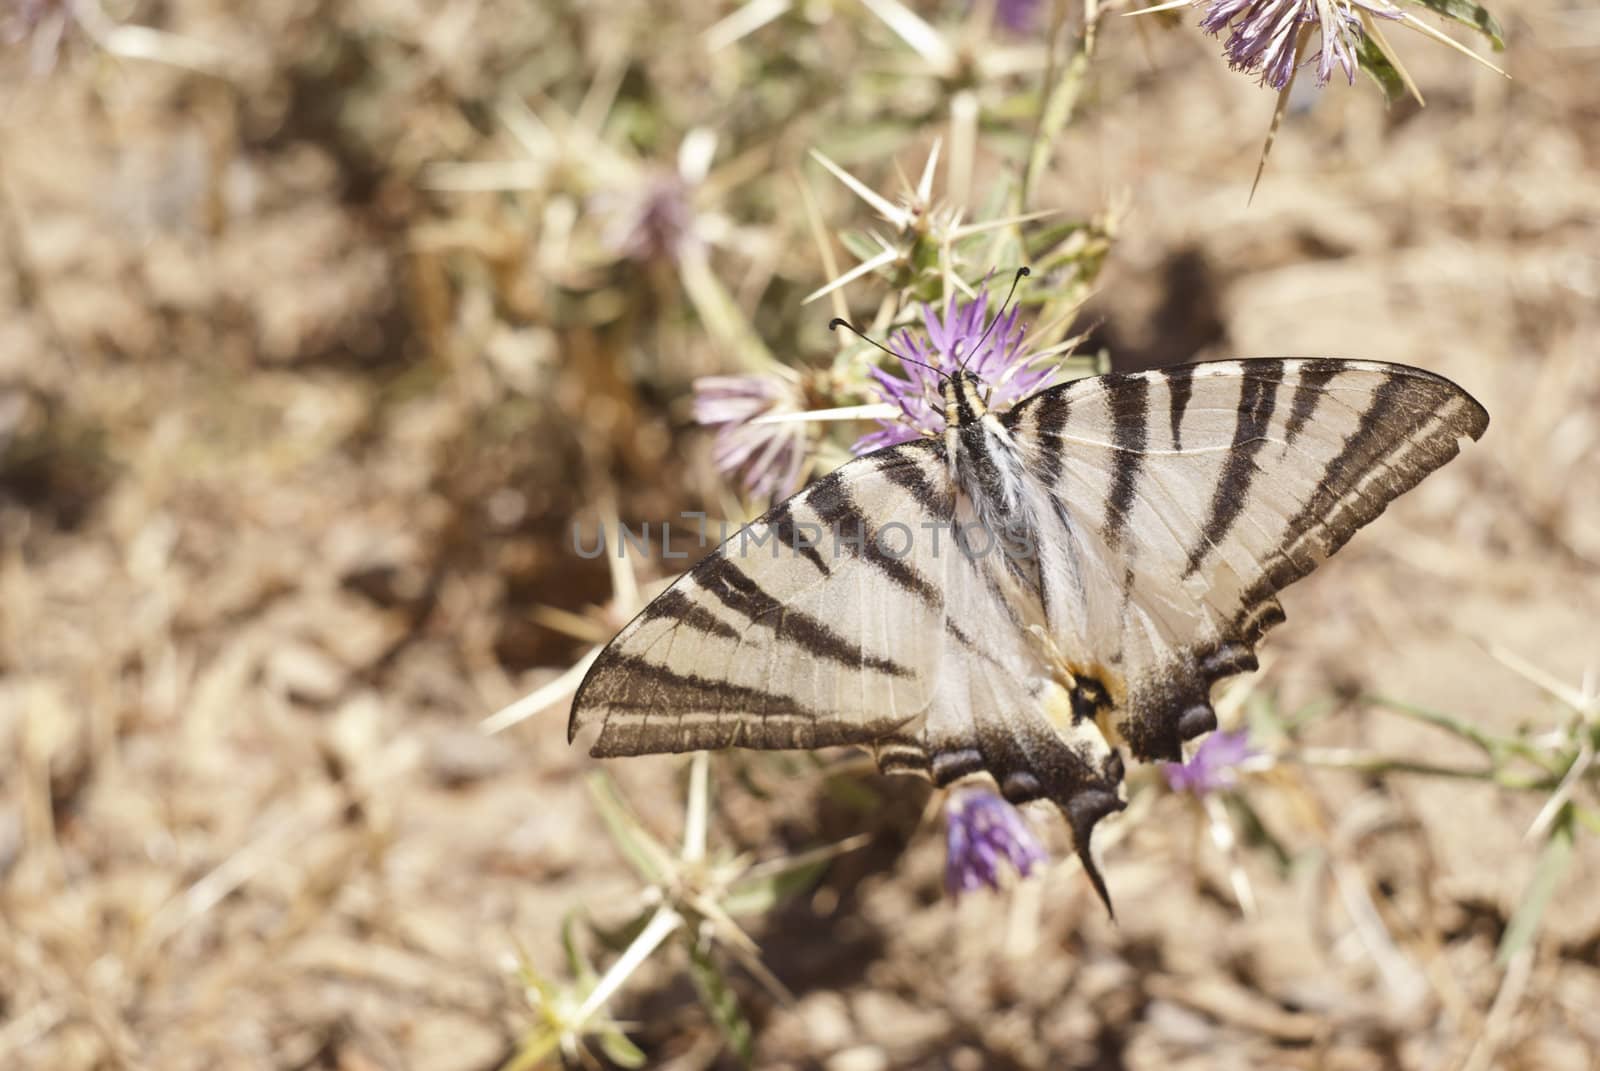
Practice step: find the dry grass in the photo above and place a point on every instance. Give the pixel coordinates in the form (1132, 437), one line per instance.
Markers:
(288, 451)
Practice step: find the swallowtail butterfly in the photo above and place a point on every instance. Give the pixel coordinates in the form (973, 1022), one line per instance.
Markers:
(1161, 513)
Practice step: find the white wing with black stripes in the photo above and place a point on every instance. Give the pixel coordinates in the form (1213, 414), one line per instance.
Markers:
(1174, 505)
(1135, 530)
(806, 628)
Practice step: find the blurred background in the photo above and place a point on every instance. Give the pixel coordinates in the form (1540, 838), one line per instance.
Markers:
(321, 325)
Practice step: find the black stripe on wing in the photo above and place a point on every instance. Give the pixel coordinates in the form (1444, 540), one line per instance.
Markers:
(854, 532)
(655, 710)
(1385, 456)
(674, 605)
(1053, 411)
(1180, 385)
(904, 471)
(1128, 398)
(1257, 399)
(721, 577)
(789, 534)
(630, 682)
(699, 712)
(1310, 388)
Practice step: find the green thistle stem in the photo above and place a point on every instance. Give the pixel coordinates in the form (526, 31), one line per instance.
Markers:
(1497, 748)
(1060, 104)
(1371, 762)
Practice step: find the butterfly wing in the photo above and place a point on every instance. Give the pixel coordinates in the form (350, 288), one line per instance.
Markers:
(848, 615)
(820, 623)
(1174, 505)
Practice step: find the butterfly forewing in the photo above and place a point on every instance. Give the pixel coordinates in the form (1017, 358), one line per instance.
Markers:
(809, 627)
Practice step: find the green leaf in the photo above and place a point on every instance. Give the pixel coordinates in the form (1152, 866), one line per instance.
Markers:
(1379, 69)
(1554, 861)
(1043, 236)
(1448, 722)
(536, 1048)
(869, 141)
(619, 1050)
(1058, 111)
(646, 854)
(761, 893)
(1065, 255)
(1468, 14)
(721, 1003)
(766, 885)
(1497, 748)
(721, 314)
(577, 963)
(925, 254)
(1275, 721)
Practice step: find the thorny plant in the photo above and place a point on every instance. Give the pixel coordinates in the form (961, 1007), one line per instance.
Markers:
(606, 196)
(690, 901)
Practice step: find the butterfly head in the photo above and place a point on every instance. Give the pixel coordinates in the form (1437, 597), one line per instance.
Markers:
(954, 371)
(964, 398)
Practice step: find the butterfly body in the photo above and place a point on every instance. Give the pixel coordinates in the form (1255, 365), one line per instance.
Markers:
(984, 459)
(1081, 570)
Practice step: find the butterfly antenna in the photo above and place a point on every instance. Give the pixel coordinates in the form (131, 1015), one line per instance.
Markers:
(1015, 279)
(838, 322)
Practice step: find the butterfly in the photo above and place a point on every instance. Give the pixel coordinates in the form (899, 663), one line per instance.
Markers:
(1038, 590)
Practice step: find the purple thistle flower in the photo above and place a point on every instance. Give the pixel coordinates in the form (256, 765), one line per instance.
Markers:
(767, 457)
(653, 221)
(982, 830)
(1018, 16)
(1215, 766)
(1002, 362)
(1265, 37)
